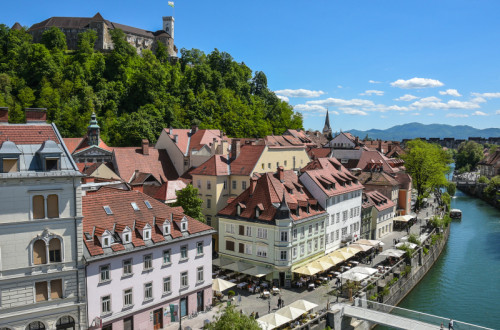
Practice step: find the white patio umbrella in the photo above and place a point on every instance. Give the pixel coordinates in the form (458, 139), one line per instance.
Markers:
(303, 305)
(362, 270)
(356, 277)
(410, 245)
(322, 264)
(362, 247)
(290, 312)
(351, 249)
(220, 285)
(274, 320)
(392, 253)
(344, 255)
(371, 242)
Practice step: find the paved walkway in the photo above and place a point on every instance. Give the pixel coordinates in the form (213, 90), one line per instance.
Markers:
(248, 302)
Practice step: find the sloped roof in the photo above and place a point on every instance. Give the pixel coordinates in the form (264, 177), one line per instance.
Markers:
(331, 177)
(187, 141)
(27, 134)
(379, 201)
(165, 192)
(215, 165)
(129, 159)
(119, 202)
(366, 202)
(370, 157)
(318, 152)
(491, 159)
(268, 196)
(377, 178)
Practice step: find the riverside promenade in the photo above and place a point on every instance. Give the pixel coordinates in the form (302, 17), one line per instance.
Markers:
(248, 302)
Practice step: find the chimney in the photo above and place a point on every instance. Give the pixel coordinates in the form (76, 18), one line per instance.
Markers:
(380, 145)
(4, 115)
(221, 134)
(194, 129)
(175, 138)
(170, 130)
(235, 148)
(281, 174)
(145, 147)
(36, 115)
(389, 147)
(356, 141)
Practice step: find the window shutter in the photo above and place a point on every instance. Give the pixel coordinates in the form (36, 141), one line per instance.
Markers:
(41, 291)
(38, 207)
(53, 206)
(56, 289)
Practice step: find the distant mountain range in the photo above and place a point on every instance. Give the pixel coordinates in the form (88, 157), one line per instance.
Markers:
(418, 130)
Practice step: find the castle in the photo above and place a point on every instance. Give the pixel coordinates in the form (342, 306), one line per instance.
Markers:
(139, 38)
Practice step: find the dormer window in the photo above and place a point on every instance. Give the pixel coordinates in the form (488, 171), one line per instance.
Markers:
(9, 157)
(107, 209)
(51, 164)
(126, 238)
(166, 228)
(50, 155)
(184, 224)
(126, 235)
(106, 242)
(134, 206)
(148, 204)
(257, 212)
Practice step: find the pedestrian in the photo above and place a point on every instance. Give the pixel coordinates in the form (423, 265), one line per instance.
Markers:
(269, 305)
(257, 315)
(450, 325)
(442, 327)
(282, 303)
(252, 315)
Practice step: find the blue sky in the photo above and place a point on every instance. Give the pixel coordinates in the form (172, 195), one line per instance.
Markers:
(373, 64)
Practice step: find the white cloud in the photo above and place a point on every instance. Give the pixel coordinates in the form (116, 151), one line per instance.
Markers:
(383, 116)
(309, 107)
(283, 98)
(454, 104)
(457, 115)
(416, 83)
(334, 112)
(333, 102)
(479, 113)
(351, 111)
(451, 92)
(374, 82)
(434, 103)
(299, 93)
(478, 99)
(497, 112)
(373, 92)
(430, 99)
(416, 114)
(384, 108)
(340, 86)
(488, 95)
(406, 97)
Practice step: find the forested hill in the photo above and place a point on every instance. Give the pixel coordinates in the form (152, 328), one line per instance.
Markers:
(418, 130)
(135, 96)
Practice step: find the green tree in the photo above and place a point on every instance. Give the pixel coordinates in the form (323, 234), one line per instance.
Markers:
(427, 164)
(190, 202)
(451, 188)
(468, 155)
(54, 39)
(231, 319)
(493, 187)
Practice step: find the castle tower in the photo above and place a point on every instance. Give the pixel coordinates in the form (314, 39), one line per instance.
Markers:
(93, 131)
(327, 129)
(168, 25)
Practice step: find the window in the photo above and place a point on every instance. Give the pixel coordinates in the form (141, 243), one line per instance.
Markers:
(9, 165)
(52, 206)
(56, 289)
(51, 164)
(283, 255)
(285, 162)
(230, 246)
(105, 242)
(241, 248)
(316, 226)
(322, 225)
(36, 325)
(338, 217)
(302, 249)
(209, 220)
(41, 291)
(248, 249)
(310, 230)
(127, 267)
(263, 166)
(184, 252)
(315, 244)
(209, 203)
(107, 209)
(199, 248)
(249, 231)
(105, 304)
(284, 236)
(224, 185)
(262, 233)
(277, 164)
(39, 253)
(234, 184)
(309, 247)
(344, 231)
(148, 291)
(148, 262)
(302, 232)
(230, 228)
(198, 184)
(38, 207)
(148, 204)
(294, 252)
(268, 165)
(199, 274)
(344, 215)
(243, 185)
(167, 285)
(241, 230)
(126, 238)
(262, 251)
(184, 280)
(134, 206)
(147, 234)
(332, 237)
(209, 185)
(294, 233)
(166, 257)
(127, 298)
(104, 273)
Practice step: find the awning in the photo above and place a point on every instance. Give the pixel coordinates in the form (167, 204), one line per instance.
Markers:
(221, 285)
(220, 262)
(257, 271)
(272, 320)
(307, 270)
(351, 249)
(403, 218)
(237, 266)
(303, 305)
(372, 242)
(361, 247)
(344, 255)
(323, 264)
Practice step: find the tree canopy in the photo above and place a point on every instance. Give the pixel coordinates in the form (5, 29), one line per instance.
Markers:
(427, 164)
(190, 202)
(135, 95)
(231, 319)
(468, 155)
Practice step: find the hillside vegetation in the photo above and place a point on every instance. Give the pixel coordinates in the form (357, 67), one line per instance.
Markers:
(135, 96)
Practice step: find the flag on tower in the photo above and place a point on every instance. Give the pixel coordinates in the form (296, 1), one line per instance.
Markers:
(171, 4)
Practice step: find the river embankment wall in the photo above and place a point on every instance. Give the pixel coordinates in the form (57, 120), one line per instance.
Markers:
(476, 189)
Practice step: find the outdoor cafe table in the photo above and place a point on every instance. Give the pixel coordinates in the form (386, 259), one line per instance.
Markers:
(232, 280)
(241, 285)
(323, 278)
(311, 286)
(276, 290)
(240, 277)
(231, 274)
(266, 293)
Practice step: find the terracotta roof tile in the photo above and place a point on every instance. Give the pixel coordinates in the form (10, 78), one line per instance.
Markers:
(379, 201)
(215, 165)
(27, 134)
(129, 159)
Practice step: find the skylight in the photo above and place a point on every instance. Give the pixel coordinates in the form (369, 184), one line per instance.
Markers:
(107, 209)
(148, 204)
(134, 206)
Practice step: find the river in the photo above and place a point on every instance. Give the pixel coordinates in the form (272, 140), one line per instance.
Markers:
(464, 284)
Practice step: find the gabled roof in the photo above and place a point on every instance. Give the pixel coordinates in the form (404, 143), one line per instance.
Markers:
(76, 145)
(165, 192)
(27, 133)
(187, 141)
(370, 157)
(377, 178)
(129, 159)
(379, 201)
(366, 202)
(491, 159)
(215, 165)
(318, 152)
(267, 194)
(331, 177)
(119, 201)
(301, 135)
(283, 141)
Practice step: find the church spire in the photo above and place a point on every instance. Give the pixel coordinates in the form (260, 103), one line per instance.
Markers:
(93, 131)
(327, 129)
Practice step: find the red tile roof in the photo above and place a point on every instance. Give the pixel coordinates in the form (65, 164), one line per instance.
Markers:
(333, 178)
(123, 215)
(267, 196)
(370, 158)
(379, 201)
(27, 134)
(187, 141)
(166, 191)
(129, 159)
(215, 165)
(318, 152)
(377, 178)
(75, 145)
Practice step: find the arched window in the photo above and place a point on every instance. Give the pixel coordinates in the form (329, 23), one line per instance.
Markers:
(37, 325)
(55, 250)
(53, 206)
(38, 207)
(40, 252)
(65, 322)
